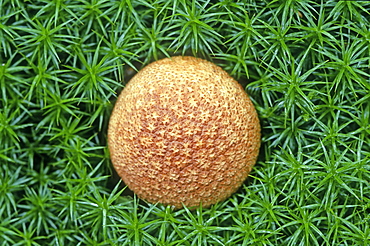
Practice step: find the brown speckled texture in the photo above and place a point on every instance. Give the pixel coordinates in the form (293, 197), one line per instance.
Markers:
(183, 132)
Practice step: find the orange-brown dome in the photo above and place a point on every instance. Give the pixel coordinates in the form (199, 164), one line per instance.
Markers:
(183, 132)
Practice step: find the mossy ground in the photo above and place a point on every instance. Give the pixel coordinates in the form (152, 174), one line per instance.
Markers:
(306, 64)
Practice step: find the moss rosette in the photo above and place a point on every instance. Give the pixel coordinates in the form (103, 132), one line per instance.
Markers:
(183, 132)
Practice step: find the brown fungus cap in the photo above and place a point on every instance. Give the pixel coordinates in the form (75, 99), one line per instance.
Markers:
(183, 132)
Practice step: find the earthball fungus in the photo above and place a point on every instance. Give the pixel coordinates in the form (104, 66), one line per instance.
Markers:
(183, 132)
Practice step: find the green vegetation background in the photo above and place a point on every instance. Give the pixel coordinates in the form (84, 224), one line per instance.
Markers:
(306, 66)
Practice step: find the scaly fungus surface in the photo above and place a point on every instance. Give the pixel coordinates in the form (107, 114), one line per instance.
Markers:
(183, 132)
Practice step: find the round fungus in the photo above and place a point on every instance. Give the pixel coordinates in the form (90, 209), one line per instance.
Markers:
(183, 132)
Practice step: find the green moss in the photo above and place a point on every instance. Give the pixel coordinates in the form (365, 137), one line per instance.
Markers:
(305, 64)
